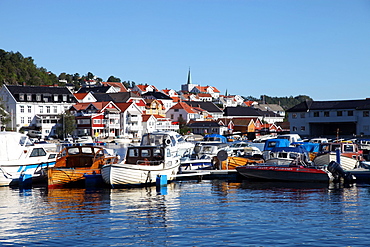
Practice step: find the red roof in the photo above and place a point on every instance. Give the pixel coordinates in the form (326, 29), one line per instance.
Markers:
(184, 106)
(116, 84)
(123, 106)
(80, 96)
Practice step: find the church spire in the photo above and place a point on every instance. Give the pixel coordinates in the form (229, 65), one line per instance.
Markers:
(189, 77)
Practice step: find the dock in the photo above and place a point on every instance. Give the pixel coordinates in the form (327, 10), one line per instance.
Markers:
(208, 174)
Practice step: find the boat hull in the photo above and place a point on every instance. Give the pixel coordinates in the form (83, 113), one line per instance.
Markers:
(347, 163)
(135, 175)
(14, 175)
(64, 177)
(297, 174)
(196, 164)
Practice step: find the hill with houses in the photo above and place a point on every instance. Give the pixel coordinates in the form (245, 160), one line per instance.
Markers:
(110, 109)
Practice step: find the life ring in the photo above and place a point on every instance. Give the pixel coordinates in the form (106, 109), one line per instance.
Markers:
(167, 142)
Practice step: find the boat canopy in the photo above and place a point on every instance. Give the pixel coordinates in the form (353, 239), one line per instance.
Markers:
(272, 143)
(215, 138)
(308, 146)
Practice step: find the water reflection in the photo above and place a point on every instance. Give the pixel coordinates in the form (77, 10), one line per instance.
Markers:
(190, 213)
(77, 200)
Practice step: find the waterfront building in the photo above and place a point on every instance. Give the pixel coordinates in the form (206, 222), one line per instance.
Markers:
(36, 107)
(330, 118)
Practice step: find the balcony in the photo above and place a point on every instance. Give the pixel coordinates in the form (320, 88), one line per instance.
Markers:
(133, 119)
(134, 128)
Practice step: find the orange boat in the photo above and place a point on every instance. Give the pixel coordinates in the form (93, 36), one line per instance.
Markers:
(75, 163)
(231, 162)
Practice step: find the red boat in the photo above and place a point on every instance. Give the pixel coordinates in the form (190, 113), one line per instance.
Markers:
(285, 173)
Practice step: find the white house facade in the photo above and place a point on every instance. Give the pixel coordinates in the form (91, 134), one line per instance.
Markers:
(35, 107)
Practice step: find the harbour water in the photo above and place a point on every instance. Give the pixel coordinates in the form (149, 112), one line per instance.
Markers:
(188, 213)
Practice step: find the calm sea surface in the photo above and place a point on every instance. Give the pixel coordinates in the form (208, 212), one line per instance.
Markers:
(188, 213)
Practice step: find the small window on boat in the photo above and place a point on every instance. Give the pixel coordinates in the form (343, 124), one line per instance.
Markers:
(36, 152)
(134, 152)
(334, 147)
(86, 150)
(52, 156)
(348, 148)
(73, 151)
(145, 153)
(271, 144)
(283, 155)
(293, 155)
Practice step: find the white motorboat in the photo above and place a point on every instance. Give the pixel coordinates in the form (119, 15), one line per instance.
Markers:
(346, 154)
(21, 160)
(173, 140)
(142, 165)
(241, 148)
(202, 156)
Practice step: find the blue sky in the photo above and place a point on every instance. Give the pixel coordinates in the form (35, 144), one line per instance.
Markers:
(319, 48)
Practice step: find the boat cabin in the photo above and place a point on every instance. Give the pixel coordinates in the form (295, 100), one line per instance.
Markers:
(344, 147)
(145, 155)
(287, 155)
(274, 143)
(79, 156)
(215, 138)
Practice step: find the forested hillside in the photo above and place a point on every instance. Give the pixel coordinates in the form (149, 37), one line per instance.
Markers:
(16, 69)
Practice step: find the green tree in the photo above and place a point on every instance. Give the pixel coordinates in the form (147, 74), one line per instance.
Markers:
(183, 128)
(113, 79)
(66, 125)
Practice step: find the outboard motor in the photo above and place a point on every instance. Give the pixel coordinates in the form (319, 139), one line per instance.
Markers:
(338, 172)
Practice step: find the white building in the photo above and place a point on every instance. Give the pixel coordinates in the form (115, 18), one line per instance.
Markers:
(35, 107)
(130, 120)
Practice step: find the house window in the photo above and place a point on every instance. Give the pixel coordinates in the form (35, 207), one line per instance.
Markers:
(294, 128)
(48, 109)
(38, 97)
(22, 108)
(171, 116)
(316, 114)
(29, 108)
(339, 113)
(29, 119)
(22, 120)
(55, 109)
(326, 114)
(41, 109)
(294, 115)
(21, 96)
(176, 110)
(303, 128)
(350, 113)
(64, 98)
(55, 97)
(29, 97)
(366, 113)
(303, 115)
